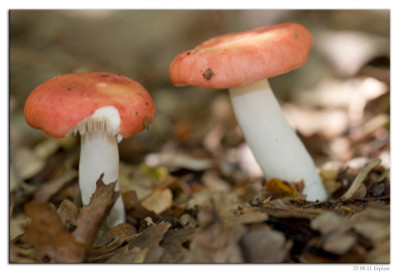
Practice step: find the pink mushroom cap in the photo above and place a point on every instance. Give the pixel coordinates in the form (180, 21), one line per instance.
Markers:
(237, 59)
(59, 104)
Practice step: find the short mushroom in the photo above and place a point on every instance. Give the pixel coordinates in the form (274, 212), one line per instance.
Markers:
(242, 62)
(102, 107)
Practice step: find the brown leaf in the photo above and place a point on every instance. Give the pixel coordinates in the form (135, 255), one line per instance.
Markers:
(118, 233)
(160, 198)
(47, 232)
(215, 241)
(175, 244)
(93, 215)
(68, 213)
(142, 247)
(106, 243)
(158, 201)
(129, 255)
(134, 208)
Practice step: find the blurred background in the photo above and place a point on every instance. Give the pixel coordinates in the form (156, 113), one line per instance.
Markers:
(339, 101)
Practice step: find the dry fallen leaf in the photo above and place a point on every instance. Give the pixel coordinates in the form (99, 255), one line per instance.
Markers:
(68, 213)
(134, 209)
(107, 242)
(215, 241)
(129, 255)
(176, 243)
(158, 201)
(47, 232)
(93, 215)
(143, 247)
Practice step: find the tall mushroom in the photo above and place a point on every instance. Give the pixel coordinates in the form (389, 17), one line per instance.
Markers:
(242, 62)
(103, 108)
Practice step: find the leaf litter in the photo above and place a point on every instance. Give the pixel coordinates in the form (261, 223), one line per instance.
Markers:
(208, 226)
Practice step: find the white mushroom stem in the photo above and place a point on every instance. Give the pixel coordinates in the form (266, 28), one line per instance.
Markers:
(99, 154)
(275, 145)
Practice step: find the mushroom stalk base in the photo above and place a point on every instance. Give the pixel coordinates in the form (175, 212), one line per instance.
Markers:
(99, 154)
(273, 142)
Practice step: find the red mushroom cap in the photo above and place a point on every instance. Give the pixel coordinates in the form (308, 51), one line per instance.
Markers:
(59, 104)
(237, 59)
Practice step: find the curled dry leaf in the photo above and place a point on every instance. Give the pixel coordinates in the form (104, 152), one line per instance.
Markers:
(107, 242)
(47, 232)
(358, 181)
(93, 215)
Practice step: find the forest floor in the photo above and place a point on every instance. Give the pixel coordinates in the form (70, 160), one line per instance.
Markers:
(191, 188)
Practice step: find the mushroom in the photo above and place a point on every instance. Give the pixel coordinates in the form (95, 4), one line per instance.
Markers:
(103, 108)
(243, 62)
